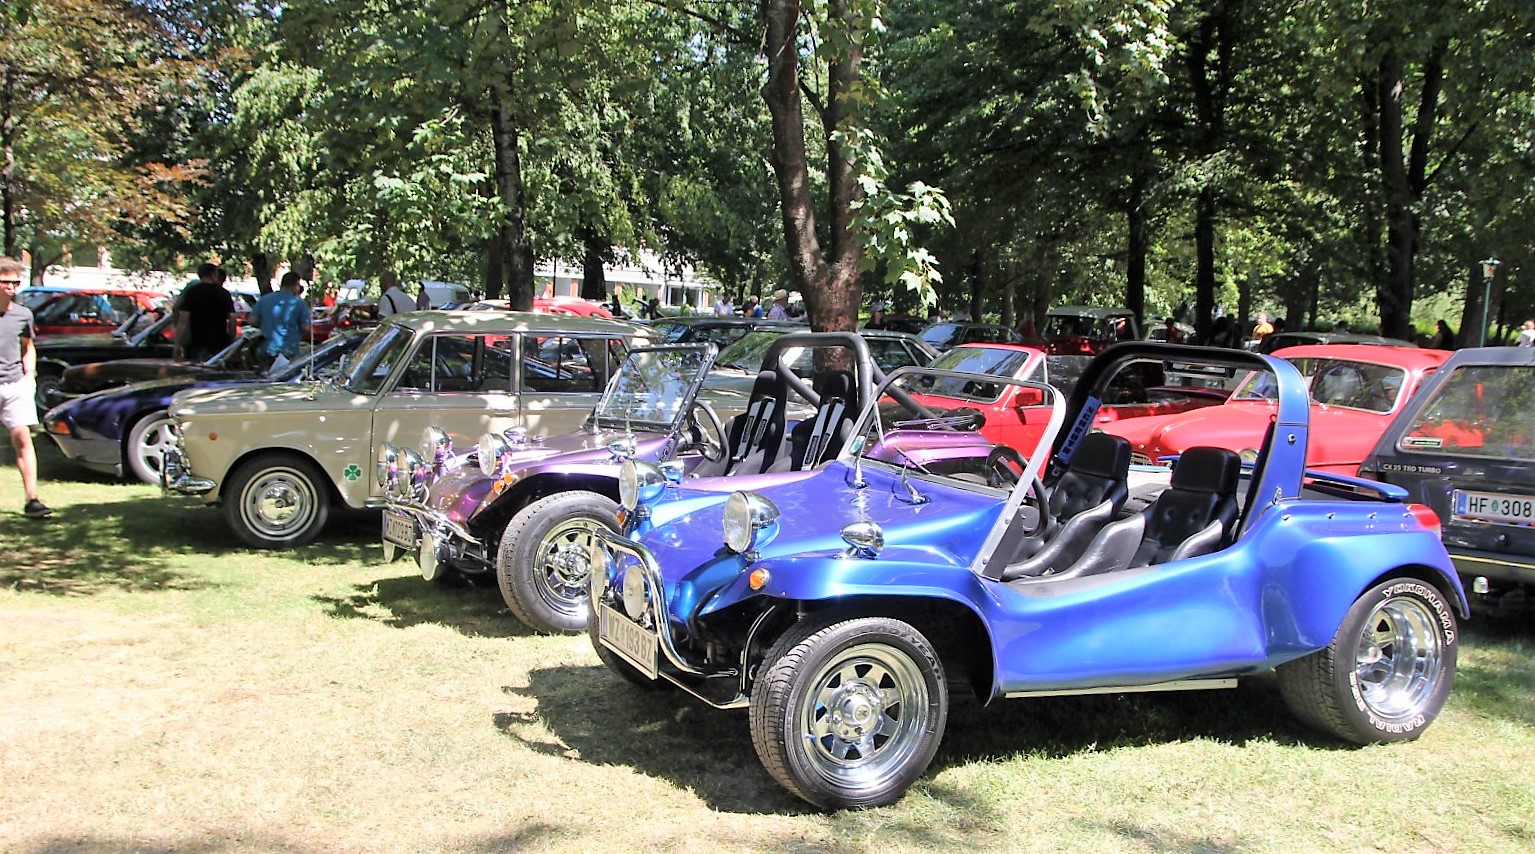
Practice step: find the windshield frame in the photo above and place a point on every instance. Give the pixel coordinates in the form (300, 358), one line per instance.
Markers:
(387, 339)
(683, 388)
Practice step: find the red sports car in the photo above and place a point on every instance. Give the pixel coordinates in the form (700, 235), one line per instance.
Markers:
(1009, 410)
(82, 311)
(1355, 392)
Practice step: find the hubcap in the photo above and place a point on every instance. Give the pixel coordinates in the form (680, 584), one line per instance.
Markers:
(278, 502)
(564, 565)
(1398, 663)
(862, 717)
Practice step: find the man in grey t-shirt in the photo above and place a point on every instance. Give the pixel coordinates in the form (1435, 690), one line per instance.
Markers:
(18, 383)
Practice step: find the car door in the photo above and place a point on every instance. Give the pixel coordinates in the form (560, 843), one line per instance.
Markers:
(562, 376)
(459, 381)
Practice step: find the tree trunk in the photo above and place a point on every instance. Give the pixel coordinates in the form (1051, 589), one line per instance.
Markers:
(515, 248)
(1137, 231)
(829, 282)
(594, 282)
(261, 269)
(1209, 85)
(8, 161)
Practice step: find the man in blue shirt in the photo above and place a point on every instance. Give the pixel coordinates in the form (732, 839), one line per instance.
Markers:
(284, 319)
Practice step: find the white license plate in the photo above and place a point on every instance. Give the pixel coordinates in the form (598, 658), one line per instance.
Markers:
(399, 529)
(1495, 507)
(632, 642)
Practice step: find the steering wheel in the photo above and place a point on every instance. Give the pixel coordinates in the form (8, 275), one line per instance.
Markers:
(708, 439)
(1004, 468)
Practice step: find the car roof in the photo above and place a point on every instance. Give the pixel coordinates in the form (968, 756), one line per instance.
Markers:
(1402, 357)
(1089, 311)
(510, 321)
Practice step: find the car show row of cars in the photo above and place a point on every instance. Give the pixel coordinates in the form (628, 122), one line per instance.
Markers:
(839, 532)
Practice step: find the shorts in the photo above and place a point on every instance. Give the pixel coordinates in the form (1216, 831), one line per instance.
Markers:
(18, 403)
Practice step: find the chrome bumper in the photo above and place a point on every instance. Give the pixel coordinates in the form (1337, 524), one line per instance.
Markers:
(437, 541)
(175, 479)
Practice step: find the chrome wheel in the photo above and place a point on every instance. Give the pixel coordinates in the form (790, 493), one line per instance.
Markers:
(862, 717)
(147, 441)
(563, 566)
(1398, 665)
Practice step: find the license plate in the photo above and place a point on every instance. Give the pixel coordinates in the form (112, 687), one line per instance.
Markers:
(1495, 507)
(633, 643)
(400, 529)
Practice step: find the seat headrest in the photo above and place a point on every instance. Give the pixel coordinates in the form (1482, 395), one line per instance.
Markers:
(1102, 455)
(1207, 470)
(836, 385)
(768, 386)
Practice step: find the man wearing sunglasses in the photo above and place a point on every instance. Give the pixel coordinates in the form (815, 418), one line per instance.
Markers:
(18, 382)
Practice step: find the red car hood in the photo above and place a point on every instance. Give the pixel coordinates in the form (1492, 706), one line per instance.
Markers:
(1340, 437)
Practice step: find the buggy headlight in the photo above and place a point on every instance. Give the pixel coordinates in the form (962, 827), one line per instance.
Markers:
(436, 446)
(1248, 455)
(751, 522)
(388, 466)
(639, 482)
(491, 452)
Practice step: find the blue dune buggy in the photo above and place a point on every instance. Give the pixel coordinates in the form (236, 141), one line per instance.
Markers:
(843, 605)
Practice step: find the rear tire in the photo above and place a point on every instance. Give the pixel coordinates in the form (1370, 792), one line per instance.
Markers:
(849, 715)
(1388, 670)
(542, 564)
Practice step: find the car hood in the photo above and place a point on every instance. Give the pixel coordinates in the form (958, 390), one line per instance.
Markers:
(263, 397)
(99, 374)
(687, 534)
(1235, 425)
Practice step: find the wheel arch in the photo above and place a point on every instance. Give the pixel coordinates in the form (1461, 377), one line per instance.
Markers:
(328, 483)
(1428, 575)
(956, 631)
(494, 516)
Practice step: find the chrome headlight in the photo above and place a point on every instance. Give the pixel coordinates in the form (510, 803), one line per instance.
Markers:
(751, 522)
(516, 435)
(634, 592)
(417, 471)
(436, 446)
(1248, 455)
(622, 449)
(492, 451)
(388, 466)
(639, 482)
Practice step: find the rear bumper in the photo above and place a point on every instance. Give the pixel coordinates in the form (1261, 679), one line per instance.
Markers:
(1494, 566)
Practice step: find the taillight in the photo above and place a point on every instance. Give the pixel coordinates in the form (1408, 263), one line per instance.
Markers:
(1426, 517)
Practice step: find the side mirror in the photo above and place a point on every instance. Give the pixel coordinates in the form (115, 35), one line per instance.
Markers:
(1029, 397)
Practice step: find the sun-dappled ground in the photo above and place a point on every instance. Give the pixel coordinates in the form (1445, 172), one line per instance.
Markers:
(162, 689)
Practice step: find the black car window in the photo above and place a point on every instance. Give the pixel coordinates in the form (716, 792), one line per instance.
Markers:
(559, 364)
(459, 363)
(1478, 411)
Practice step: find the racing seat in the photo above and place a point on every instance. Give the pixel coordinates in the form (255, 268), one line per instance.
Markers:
(1086, 497)
(753, 438)
(821, 437)
(1195, 515)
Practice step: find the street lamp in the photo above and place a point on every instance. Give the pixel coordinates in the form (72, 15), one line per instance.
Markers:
(1489, 269)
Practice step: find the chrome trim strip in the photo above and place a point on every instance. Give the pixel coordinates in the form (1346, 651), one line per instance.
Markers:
(1181, 685)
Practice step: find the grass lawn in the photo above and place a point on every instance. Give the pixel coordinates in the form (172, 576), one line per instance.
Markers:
(162, 689)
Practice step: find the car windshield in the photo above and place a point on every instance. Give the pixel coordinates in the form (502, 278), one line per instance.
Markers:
(940, 334)
(376, 358)
(325, 361)
(653, 386)
(1355, 385)
(1068, 326)
(747, 352)
(1478, 411)
(993, 361)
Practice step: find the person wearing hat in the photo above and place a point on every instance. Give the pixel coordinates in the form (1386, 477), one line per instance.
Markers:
(780, 309)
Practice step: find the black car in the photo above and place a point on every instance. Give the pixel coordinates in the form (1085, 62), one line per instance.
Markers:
(1465, 446)
(951, 333)
(140, 337)
(1280, 340)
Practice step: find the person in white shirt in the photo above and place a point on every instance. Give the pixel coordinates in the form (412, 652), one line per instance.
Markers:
(1526, 335)
(394, 300)
(780, 309)
(723, 307)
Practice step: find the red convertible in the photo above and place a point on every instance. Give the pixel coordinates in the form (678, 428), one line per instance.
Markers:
(1355, 392)
(1013, 415)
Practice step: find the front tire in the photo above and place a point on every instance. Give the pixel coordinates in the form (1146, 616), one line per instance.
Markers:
(850, 714)
(1388, 670)
(46, 382)
(543, 561)
(277, 501)
(150, 436)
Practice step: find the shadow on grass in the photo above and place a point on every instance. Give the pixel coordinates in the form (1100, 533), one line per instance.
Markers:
(601, 719)
(1495, 677)
(403, 599)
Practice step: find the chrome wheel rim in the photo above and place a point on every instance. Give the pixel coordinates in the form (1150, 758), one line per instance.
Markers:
(278, 502)
(1397, 668)
(563, 567)
(862, 715)
(150, 447)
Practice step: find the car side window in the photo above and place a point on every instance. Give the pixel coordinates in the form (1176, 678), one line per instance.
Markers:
(458, 364)
(557, 364)
(1480, 411)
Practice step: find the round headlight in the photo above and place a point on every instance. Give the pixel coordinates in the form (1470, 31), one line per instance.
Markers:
(751, 521)
(388, 467)
(490, 451)
(435, 445)
(416, 472)
(634, 592)
(639, 482)
(1248, 455)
